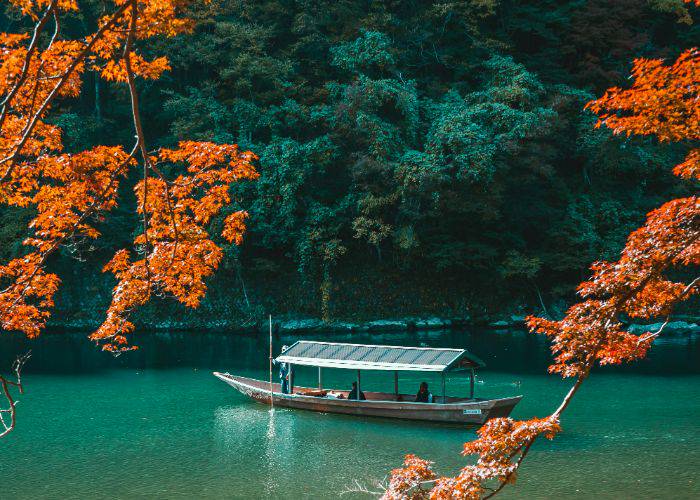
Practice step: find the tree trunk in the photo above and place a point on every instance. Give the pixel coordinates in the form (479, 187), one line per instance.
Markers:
(98, 107)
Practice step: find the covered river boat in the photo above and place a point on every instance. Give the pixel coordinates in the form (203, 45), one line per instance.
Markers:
(358, 357)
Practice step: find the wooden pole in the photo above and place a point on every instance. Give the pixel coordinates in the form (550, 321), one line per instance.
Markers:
(358, 385)
(272, 404)
(443, 387)
(291, 378)
(471, 384)
(396, 384)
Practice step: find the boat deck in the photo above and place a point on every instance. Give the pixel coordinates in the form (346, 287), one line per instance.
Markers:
(369, 395)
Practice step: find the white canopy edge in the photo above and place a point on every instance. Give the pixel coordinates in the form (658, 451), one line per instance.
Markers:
(359, 365)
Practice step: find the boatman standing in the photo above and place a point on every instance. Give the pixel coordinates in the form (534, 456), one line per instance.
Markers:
(284, 374)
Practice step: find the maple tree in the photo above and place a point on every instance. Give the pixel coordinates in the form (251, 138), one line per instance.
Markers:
(181, 190)
(663, 101)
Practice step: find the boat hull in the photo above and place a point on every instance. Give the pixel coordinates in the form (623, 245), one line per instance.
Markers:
(455, 411)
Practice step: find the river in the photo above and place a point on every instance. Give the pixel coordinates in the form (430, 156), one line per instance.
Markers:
(156, 424)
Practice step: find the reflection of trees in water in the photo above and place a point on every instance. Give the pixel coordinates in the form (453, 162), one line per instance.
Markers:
(287, 455)
(510, 351)
(254, 432)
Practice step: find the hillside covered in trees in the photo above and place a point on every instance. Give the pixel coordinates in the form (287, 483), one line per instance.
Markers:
(415, 157)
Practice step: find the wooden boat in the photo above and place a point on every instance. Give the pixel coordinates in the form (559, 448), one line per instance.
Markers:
(448, 409)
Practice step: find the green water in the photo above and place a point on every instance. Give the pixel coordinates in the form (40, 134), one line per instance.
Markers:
(156, 424)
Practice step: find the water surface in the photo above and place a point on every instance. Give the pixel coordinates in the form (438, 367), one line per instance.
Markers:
(156, 424)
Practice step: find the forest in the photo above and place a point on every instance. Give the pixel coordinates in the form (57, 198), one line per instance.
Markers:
(415, 157)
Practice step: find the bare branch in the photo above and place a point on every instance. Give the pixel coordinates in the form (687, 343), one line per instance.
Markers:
(358, 487)
(653, 335)
(9, 421)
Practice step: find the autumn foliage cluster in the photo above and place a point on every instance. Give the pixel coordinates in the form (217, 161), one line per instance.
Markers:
(663, 101)
(181, 190)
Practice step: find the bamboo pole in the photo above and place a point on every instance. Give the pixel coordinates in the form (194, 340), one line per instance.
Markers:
(471, 384)
(443, 388)
(290, 382)
(272, 403)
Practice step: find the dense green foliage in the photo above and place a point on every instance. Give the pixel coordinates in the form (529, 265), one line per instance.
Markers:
(433, 152)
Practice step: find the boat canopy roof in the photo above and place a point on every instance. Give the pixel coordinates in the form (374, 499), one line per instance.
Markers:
(377, 357)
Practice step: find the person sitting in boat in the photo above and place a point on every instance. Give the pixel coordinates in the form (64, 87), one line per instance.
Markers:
(353, 393)
(423, 395)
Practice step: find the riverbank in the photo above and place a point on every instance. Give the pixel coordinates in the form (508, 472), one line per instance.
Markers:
(681, 325)
(362, 299)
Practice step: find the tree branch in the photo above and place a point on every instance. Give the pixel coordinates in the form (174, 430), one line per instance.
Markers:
(54, 92)
(138, 127)
(38, 28)
(5, 384)
(653, 335)
(87, 213)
